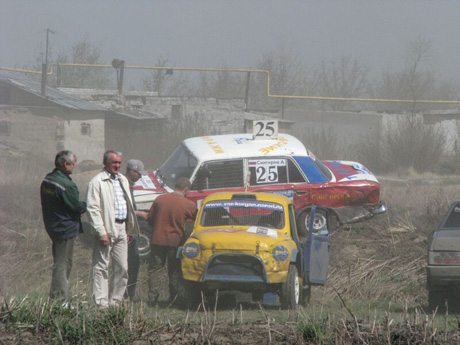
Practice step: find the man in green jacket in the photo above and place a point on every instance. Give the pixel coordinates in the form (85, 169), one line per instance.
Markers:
(62, 209)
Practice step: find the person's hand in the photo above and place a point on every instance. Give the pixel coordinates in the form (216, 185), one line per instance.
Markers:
(142, 214)
(130, 238)
(104, 240)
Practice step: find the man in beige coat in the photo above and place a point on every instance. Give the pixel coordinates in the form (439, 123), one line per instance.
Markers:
(113, 222)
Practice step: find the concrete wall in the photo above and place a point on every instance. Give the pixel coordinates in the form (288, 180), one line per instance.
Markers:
(449, 123)
(353, 127)
(27, 132)
(227, 116)
(85, 135)
(347, 127)
(135, 138)
(222, 115)
(50, 129)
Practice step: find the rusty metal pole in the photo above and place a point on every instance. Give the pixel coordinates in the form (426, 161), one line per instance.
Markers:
(58, 74)
(282, 108)
(45, 65)
(120, 82)
(44, 70)
(246, 96)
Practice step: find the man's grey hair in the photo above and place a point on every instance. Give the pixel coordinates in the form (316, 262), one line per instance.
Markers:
(108, 153)
(62, 157)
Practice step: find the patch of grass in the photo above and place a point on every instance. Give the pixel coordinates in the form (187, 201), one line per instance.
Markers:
(315, 330)
(75, 324)
(50, 322)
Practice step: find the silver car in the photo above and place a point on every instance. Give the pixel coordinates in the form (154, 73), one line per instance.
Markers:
(443, 269)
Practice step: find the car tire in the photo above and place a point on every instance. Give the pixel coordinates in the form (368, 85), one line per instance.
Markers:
(320, 222)
(437, 300)
(144, 240)
(291, 290)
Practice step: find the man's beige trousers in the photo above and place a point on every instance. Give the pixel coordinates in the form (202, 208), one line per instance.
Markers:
(105, 295)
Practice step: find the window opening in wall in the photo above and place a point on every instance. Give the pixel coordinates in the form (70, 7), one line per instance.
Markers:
(176, 111)
(85, 129)
(59, 133)
(5, 128)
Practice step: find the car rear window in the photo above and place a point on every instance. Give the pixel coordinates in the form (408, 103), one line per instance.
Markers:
(453, 220)
(222, 174)
(315, 171)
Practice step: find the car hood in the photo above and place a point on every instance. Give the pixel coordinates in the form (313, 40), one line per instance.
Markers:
(446, 240)
(350, 171)
(239, 239)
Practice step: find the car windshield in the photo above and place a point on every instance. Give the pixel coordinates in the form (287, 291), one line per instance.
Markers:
(242, 213)
(181, 163)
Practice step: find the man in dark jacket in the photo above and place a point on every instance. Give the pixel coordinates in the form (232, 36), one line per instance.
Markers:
(134, 171)
(62, 209)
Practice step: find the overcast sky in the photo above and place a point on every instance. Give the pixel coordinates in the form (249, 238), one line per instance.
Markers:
(235, 33)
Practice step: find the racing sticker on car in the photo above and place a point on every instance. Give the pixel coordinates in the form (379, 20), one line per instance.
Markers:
(263, 231)
(244, 204)
(280, 143)
(287, 193)
(212, 143)
(267, 170)
(240, 141)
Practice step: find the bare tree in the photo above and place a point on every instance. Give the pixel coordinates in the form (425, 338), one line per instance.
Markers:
(166, 82)
(343, 78)
(221, 84)
(227, 84)
(287, 77)
(416, 81)
(83, 52)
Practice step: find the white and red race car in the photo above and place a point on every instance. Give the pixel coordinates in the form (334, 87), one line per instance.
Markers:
(236, 162)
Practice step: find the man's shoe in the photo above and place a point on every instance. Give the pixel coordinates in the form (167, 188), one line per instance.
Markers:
(153, 299)
(102, 308)
(152, 302)
(115, 304)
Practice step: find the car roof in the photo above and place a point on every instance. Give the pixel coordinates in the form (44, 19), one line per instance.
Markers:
(230, 146)
(260, 196)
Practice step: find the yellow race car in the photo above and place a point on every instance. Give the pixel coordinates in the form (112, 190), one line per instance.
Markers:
(249, 242)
